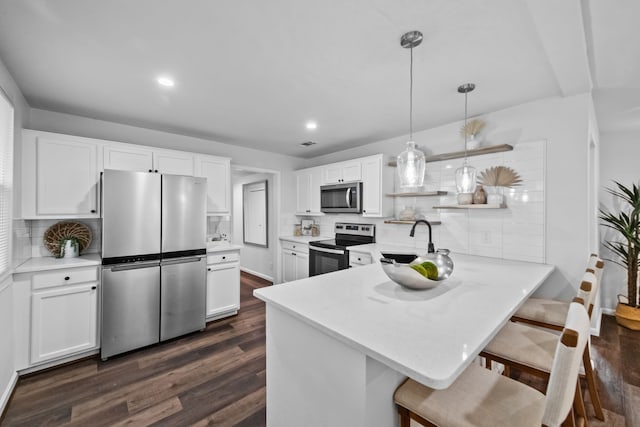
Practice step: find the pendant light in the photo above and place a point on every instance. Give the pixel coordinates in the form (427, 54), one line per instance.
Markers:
(411, 161)
(465, 175)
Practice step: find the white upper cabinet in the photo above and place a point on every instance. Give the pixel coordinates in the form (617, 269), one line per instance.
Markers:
(308, 191)
(217, 170)
(132, 158)
(377, 181)
(124, 157)
(60, 176)
(173, 162)
(337, 173)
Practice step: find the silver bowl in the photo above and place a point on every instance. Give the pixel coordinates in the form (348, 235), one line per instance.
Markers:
(404, 275)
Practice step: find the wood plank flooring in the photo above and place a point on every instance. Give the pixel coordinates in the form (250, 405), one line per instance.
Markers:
(217, 377)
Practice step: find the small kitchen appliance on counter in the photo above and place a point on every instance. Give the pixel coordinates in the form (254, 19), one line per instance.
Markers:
(326, 256)
(153, 258)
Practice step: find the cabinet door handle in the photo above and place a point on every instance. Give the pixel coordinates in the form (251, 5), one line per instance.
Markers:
(93, 211)
(67, 278)
(156, 171)
(224, 257)
(93, 288)
(208, 269)
(150, 170)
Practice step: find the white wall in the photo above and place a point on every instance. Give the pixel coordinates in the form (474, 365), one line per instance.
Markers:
(618, 161)
(255, 259)
(7, 369)
(564, 123)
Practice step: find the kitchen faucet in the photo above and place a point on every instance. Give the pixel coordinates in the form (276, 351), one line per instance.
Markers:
(430, 248)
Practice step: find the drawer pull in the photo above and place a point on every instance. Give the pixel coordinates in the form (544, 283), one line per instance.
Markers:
(67, 278)
(224, 257)
(94, 288)
(208, 269)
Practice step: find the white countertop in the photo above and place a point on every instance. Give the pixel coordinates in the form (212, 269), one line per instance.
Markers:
(222, 247)
(430, 335)
(305, 239)
(52, 263)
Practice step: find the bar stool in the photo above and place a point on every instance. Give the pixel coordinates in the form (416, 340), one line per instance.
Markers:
(551, 314)
(480, 397)
(531, 349)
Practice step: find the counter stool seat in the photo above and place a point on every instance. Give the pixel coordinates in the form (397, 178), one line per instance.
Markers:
(480, 397)
(543, 312)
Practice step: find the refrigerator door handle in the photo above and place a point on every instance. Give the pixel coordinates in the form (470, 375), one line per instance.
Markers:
(182, 260)
(133, 266)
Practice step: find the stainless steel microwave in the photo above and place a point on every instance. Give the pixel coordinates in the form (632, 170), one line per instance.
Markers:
(341, 198)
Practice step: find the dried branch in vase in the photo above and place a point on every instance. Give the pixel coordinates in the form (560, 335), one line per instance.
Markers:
(499, 176)
(472, 128)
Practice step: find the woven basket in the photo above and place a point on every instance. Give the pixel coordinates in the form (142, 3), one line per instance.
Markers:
(65, 230)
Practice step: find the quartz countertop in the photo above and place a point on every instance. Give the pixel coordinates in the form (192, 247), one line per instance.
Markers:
(430, 335)
(304, 239)
(52, 263)
(222, 247)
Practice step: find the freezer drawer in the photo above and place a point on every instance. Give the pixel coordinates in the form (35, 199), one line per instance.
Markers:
(183, 296)
(130, 307)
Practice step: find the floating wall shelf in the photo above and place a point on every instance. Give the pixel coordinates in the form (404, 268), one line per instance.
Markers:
(470, 207)
(470, 153)
(419, 194)
(403, 221)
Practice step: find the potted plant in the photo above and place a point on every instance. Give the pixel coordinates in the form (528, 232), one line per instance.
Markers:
(626, 223)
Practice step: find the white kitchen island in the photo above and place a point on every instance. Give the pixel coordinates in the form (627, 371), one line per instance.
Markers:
(339, 344)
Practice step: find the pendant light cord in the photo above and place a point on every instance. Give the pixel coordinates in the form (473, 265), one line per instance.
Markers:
(465, 127)
(411, 96)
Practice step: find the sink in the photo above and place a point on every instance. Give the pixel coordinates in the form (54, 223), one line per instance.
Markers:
(402, 258)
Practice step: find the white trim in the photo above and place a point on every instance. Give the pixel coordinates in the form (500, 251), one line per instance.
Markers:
(255, 273)
(6, 394)
(609, 311)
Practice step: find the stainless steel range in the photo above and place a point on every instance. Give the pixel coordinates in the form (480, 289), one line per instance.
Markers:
(326, 256)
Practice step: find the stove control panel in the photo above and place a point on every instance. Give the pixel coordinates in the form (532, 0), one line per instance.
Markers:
(355, 229)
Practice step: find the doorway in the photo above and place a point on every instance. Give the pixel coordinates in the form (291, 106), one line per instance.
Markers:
(256, 257)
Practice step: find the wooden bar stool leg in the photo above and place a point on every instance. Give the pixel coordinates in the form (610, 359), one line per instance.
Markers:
(405, 419)
(591, 383)
(578, 403)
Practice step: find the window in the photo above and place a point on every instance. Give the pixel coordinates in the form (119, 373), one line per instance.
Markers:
(6, 184)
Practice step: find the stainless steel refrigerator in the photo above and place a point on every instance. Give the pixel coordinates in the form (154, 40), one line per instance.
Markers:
(153, 258)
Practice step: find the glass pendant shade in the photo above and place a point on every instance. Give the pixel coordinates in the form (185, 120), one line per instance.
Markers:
(466, 179)
(411, 166)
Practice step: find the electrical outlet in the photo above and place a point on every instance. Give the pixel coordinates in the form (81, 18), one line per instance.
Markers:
(486, 237)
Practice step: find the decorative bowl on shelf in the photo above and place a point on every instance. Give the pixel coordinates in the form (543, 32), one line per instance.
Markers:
(423, 272)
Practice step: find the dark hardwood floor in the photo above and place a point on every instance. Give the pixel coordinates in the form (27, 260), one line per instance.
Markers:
(217, 377)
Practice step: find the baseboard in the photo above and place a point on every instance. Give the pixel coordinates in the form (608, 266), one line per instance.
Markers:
(255, 273)
(6, 394)
(609, 311)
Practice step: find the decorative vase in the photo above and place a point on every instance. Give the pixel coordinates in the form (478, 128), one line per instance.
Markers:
(494, 195)
(69, 248)
(479, 196)
(628, 316)
(473, 142)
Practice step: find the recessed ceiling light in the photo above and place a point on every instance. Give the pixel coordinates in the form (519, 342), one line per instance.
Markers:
(311, 125)
(165, 81)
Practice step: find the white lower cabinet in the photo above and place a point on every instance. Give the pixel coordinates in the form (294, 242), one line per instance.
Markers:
(63, 321)
(295, 261)
(55, 315)
(357, 259)
(223, 284)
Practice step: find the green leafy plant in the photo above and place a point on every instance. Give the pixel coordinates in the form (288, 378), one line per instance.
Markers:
(627, 223)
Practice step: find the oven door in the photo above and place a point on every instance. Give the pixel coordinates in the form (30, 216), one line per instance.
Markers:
(325, 260)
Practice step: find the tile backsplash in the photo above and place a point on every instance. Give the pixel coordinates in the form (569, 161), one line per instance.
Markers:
(517, 232)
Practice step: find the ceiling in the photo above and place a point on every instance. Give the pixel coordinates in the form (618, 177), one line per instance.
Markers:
(252, 72)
